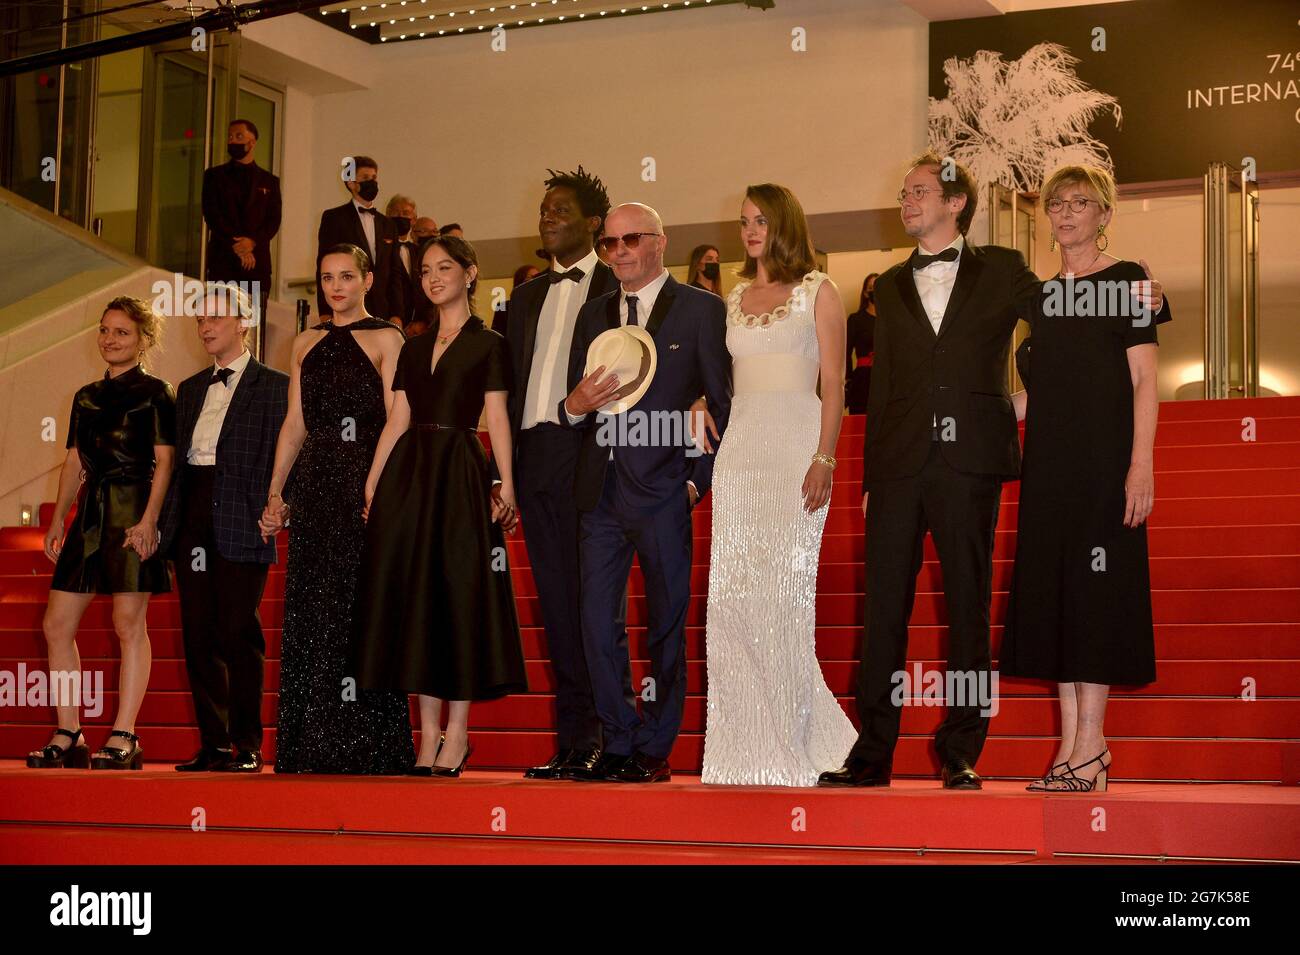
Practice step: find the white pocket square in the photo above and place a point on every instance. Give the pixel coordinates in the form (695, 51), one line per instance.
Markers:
(674, 346)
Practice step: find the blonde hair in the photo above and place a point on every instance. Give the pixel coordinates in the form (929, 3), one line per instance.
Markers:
(1099, 181)
(789, 255)
(147, 322)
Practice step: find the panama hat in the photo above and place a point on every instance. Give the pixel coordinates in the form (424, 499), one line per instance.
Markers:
(628, 353)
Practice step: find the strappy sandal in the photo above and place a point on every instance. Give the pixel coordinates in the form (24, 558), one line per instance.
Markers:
(112, 757)
(76, 755)
(1077, 784)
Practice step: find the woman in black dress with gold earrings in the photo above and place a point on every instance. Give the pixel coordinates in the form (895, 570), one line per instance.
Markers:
(120, 439)
(436, 611)
(1080, 607)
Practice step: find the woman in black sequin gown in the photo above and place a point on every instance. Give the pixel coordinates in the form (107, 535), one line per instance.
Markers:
(338, 403)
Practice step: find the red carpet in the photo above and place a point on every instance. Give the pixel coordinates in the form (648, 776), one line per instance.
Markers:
(1225, 547)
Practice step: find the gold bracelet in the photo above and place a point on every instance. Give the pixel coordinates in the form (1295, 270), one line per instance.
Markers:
(825, 459)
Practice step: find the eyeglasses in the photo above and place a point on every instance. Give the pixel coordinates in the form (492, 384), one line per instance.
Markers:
(916, 194)
(633, 239)
(1077, 204)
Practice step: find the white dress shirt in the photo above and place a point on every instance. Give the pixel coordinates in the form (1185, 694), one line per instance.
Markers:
(367, 224)
(934, 282)
(548, 381)
(207, 429)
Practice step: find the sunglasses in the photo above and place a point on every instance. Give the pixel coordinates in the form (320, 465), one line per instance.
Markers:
(633, 239)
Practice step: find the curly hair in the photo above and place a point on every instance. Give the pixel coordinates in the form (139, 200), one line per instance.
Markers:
(147, 321)
(593, 200)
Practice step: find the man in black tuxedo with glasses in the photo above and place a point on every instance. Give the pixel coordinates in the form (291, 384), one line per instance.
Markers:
(940, 440)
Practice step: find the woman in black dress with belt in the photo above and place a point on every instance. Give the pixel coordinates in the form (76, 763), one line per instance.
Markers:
(436, 609)
(120, 439)
(338, 403)
(860, 341)
(1080, 607)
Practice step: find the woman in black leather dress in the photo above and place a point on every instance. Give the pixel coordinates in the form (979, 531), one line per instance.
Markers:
(120, 440)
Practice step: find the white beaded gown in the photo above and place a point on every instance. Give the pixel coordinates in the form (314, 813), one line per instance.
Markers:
(771, 719)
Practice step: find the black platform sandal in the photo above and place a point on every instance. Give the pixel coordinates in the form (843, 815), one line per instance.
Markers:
(111, 757)
(76, 755)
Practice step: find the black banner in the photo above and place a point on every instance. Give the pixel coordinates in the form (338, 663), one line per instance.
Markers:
(1153, 89)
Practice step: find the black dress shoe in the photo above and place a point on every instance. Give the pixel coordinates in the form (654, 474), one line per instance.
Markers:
(601, 770)
(551, 769)
(205, 761)
(642, 768)
(960, 774)
(580, 761)
(858, 772)
(244, 761)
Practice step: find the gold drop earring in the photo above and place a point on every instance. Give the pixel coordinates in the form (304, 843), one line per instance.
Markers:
(1102, 241)
(1052, 247)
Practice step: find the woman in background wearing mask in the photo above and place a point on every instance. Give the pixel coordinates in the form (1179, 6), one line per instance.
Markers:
(704, 270)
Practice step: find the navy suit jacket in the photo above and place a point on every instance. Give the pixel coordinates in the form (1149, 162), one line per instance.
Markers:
(689, 328)
(245, 459)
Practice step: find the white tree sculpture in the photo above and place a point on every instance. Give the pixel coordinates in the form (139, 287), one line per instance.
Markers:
(1015, 123)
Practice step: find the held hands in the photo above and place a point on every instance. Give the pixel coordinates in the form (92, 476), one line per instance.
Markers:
(274, 517)
(700, 423)
(504, 509)
(591, 393)
(142, 538)
(692, 495)
(243, 247)
(1139, 494)
(1149, 292)
(816, 487)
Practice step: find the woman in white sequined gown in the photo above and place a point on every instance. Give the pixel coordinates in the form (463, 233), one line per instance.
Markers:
(771, 719)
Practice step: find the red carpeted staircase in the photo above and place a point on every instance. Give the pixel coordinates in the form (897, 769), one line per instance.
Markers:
(1225, 569)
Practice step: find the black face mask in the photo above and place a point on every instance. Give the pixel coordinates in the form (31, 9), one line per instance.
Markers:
(403, 224)
(237, 150)
(711, 271)
(368, 190)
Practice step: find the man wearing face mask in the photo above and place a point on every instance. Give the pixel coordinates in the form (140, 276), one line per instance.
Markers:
(401, 210)
(241, 206)
(357, 222)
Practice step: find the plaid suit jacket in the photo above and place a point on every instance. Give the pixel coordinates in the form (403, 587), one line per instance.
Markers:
(245, 458)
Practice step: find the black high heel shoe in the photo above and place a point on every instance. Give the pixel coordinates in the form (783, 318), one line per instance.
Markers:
(427, 770)
(448, 773)
(76, 755)
(1040, 785)
(112, 757)
(1077, 784)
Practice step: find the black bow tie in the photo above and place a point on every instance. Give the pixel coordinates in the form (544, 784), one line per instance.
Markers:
(575, 274)
(220, 375)
(367, 210)
(920, 260)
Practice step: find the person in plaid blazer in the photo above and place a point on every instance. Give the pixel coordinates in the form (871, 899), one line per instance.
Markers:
(228, 418)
